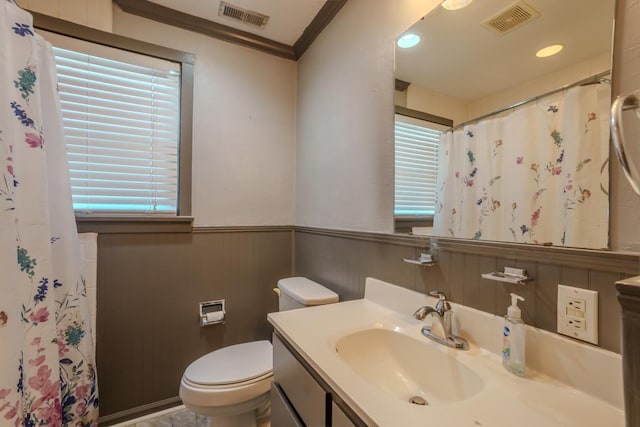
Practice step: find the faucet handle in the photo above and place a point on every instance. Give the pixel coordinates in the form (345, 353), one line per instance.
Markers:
(441, 295)
(420, 313)
(442, 305)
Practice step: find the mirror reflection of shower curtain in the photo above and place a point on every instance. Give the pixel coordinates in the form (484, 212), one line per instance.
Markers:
(535, 174)
(47, 365)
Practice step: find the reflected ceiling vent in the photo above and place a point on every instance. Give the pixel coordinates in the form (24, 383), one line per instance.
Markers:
(511, 18)
(249, 17)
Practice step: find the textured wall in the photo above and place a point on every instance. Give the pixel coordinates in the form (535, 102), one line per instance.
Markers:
(243, 126)
(540, 85)
(344, 138)
(344, 159)
(629, 298)
(92, 13)
(625, 204)
(149, 286)
(342, 261)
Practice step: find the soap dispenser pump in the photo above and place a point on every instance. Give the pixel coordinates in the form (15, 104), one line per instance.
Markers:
(513, 358)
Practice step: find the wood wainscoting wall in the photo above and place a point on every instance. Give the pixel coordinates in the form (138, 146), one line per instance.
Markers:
(629, 297)
(150, 283)
(341, 260)
(149, 286)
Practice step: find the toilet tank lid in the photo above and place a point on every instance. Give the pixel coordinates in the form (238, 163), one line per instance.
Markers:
(307, 291)
(232, 364)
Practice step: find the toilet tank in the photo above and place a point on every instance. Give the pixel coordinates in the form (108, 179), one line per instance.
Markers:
(298, 292)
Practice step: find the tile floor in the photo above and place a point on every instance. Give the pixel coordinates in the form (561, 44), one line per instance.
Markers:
(175, 417)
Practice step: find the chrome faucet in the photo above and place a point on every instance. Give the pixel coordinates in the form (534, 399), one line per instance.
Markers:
(442, 318)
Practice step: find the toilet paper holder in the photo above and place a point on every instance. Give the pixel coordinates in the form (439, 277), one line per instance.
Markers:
(212, 312)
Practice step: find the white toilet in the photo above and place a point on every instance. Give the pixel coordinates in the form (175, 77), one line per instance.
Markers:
(231, 385)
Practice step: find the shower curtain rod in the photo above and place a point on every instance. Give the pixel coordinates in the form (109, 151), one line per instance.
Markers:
(596, 78)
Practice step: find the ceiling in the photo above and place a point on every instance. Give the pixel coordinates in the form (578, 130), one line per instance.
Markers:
(287, 18)
(461, 58)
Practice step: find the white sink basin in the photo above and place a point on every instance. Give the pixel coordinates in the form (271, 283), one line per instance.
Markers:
(405, 367)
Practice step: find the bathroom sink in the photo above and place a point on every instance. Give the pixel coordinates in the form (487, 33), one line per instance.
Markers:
(406, 368)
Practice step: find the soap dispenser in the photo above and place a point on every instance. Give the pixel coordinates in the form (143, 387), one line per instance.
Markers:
(513, 339)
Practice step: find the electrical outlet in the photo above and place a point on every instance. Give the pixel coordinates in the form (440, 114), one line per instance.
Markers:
(576, 325)
(578, 313)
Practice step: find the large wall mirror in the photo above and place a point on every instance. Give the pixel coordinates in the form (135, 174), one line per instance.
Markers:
(497, 138)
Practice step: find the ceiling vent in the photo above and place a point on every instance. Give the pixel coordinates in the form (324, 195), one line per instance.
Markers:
(249, 17)
(511, 18)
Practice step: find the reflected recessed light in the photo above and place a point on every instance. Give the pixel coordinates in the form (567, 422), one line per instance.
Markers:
(455, 4)
(549, 50)
(408, 40)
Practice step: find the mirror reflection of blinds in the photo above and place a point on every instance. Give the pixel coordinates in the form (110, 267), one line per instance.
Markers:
(121, 124)
(416, 168)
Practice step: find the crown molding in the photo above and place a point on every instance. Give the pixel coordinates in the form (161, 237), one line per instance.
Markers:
(185, 21)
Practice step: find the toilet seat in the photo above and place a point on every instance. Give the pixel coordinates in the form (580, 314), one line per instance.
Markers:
(226, 395)
(229, 380)
(234, 364)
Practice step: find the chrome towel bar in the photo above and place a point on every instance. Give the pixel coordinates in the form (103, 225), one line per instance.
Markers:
(624, 103)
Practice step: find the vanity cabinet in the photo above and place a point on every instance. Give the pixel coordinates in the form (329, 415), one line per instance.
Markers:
(298, 388)
(339, 418)
(282, 413)
(299, 397)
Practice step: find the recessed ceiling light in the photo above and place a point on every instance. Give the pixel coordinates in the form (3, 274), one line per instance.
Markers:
(455, 4)
(408, 40)
(549, 50)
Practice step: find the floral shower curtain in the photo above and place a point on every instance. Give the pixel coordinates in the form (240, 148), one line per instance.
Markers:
(537, 174)
(47, 366)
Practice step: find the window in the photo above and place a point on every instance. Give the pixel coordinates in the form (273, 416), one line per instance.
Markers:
(121, 114)
(416, 166)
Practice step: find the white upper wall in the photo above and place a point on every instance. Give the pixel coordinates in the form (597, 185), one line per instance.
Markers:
(243, 126)
(540, 85)
(245, 118)
(429, 101)
(92, 13)
(624, 203)
(344, 163)
(432, 102)
(344, 157)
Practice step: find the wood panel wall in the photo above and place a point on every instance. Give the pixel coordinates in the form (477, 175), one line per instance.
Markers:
(342, 261)
(149, 286)
(629, 297)
(150, 283)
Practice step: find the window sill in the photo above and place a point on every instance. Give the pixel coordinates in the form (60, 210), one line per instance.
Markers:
(404, 224)
(128, 224)
(407, 218)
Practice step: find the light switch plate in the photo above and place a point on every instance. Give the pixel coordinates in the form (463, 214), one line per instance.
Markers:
(578, 313)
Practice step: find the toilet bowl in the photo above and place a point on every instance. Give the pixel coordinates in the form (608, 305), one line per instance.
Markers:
(232, 384)
(228, 381)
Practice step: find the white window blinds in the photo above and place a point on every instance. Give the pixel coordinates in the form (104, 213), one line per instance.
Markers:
(416, 166)
(121, 120)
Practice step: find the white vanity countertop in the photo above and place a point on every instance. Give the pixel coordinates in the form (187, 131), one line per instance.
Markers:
(505, 400)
